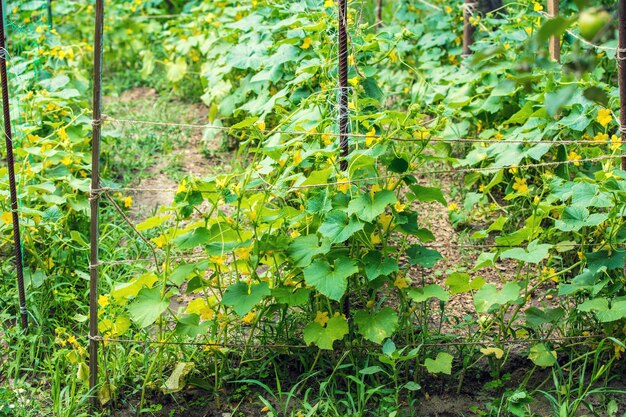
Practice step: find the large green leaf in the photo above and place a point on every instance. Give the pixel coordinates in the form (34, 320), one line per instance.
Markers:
(442, 364)
(339, 227)
(427, 194)
(534, 253)
(488, 296)
(148, 306)
(427, 292)
(330, 280)
(575, 218)
(602, 310)
(370, 205)
(420, 255)
(376, 326)
(243, 297)
(542, 356)
(459, 282)
(323, 337)
(304, 248)
(192, 239)
(376, 265)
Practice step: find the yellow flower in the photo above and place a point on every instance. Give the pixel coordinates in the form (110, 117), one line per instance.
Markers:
(385, 220)
(616, 143)
(103, 301)
(327, 139)
(375, 238)
(159, 241)
(399, 206)
(343, 185)
(329, 3)
(448, 9)
(6, 217)
(537, 6)
(513, 170)
(393, 56)
(601, 137)
(128, 202)
(400, 282)
(321, 318)
(297, 158)
(218, 260)
(306, 43)
(370, 137)
(354, 81)
(261, 125)
(618, 350)
(249, 318)
(604, 117)
(243, 253)
(520, 185)
(574, 157)
(452, 206)
(294, 234)
(66, 161)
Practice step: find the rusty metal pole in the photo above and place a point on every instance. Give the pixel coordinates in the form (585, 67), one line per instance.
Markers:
(8, 138)
(343, 82)
(469, 7)
(379, 13)
(621, 79)
(94, 199)
(555, 41)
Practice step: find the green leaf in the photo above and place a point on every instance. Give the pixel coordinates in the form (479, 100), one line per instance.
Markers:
(177, 380)
(541, 356)
(376, 326)
(338, 227)
(534, 253)
(331, 281)
(176, 70)
(323, 337)
(148, 306)
(367, 207)
(152, 222)
(304, 248)
(181, 273)
(376, 265)
(575, 218)
(604, 313)
(242, 298)
(427, 194)
(427, 292)
(291, 297)
(489, 296)
(442, 364)
(419, 255)
(192, 239)
(459, 282)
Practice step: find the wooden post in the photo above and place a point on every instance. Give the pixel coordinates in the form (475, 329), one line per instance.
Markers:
(94, 199)
(469, 7)
(621, 72)
(555, 41)
(379, 13)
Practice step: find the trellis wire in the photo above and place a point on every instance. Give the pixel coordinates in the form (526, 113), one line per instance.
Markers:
(107, 119)
(8, 137)
(528, 341)
(94, 198)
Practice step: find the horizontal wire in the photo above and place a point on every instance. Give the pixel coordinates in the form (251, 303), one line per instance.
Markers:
(105, 340)
(397, 176)
(358, 135)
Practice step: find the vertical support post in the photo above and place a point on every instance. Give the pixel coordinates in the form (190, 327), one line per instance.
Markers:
(469, 7)
(94, 198)
(379, 13)
(343, 82)
(50, 23)
(8, 138)
(621, 72)
(555, 41)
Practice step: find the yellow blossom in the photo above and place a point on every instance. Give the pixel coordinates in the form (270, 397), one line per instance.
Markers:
(393, 56)
(159, 241)
(616, 143)
(306, 43)
(399, 206)
(329, 3)
(261, 125)
(452, 206)
(604, 117)
(6, 217)
(128, 202)
(321, 318)
(66, 161)
(618, 350)
(243, 253)
(103, 301)
(375, 188)
(219, 260)
(520, 185)
(370, 137)
(343, 185)
(375, 238)
(400, 282)
(297, 158)
(249, 318)
(327, 139)
(448, 9)
(537, 6)
(385, 220)
(354, 81)
(294, 234)
(601, 137)
(574, 157)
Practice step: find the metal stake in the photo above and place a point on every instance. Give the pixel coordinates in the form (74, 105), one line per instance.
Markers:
(343, 83)
(555, 41)
(8, 138)
(94, 198)
(621, 73)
